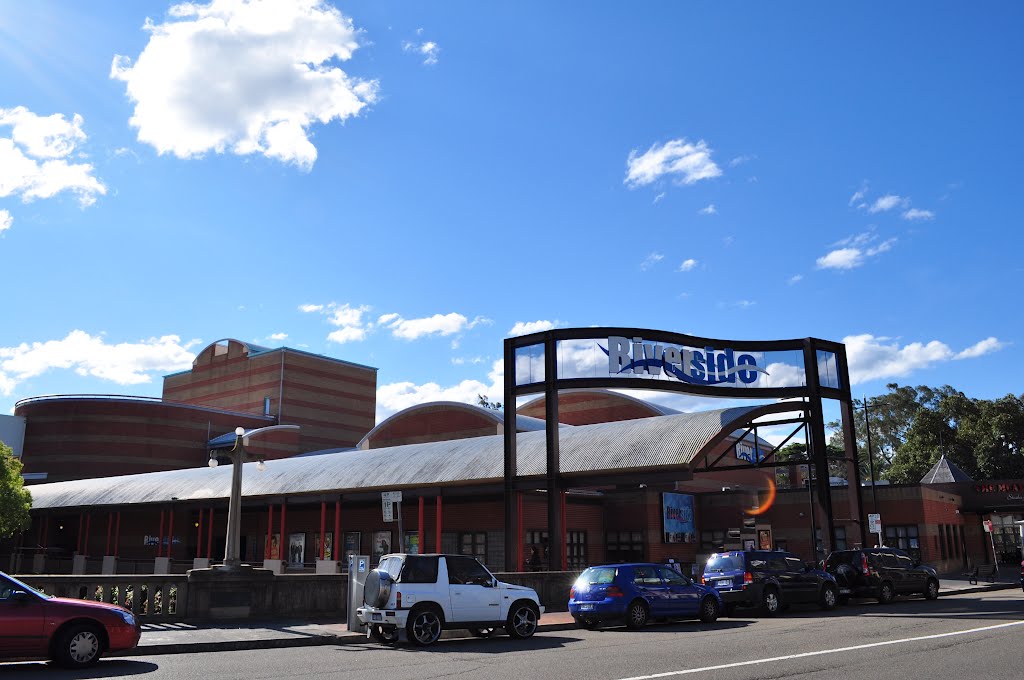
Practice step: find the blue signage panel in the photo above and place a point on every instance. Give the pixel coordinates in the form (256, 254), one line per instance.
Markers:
(677, 518)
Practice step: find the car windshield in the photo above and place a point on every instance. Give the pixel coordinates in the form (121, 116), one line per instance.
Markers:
(597, 575)
(21, 585)
(724, 562)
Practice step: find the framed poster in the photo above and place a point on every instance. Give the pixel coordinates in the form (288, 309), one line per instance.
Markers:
(351, 546)
(274, 551)
(381, 545)
(764, 539)
(328, 545)
(412, 542)
(296, 549)
(677, 518)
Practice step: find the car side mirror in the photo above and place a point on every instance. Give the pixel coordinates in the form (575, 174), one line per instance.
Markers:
(20, 596)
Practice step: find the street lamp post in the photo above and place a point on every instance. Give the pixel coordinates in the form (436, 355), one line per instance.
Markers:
(871, 458)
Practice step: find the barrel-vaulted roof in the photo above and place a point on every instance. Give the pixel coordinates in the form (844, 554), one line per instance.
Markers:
(674, 441)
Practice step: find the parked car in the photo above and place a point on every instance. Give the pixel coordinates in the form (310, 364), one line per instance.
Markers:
(882, 573)
(636, 593)
(425, 594)
(74, 633)
(769, 580)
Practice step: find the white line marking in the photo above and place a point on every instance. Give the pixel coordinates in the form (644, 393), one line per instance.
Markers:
(803, 655)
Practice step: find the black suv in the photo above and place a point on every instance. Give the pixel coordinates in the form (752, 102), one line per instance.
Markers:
(882, 573)
(769, 579)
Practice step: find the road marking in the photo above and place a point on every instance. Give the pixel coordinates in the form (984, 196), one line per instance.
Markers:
(822, 652)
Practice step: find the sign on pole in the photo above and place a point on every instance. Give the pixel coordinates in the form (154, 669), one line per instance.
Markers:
(389, 509)
(988, 526)
(874, 523)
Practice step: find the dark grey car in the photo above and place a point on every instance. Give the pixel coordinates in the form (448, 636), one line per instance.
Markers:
(882, 573)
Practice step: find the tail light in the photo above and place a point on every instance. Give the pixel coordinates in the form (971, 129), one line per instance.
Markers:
(864, 565)
(748, 578)
(572, 593)
(824, 567)
(614, 591)
(703, 581)
(398, 600)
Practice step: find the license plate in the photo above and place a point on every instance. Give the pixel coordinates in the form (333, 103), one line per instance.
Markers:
(845, 591)
(724, 584)
(586, 607)
(376, 617)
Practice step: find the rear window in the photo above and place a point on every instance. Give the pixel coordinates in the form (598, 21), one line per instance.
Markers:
(420, 569)
(598, 575)
(725, 562)
(845, 557)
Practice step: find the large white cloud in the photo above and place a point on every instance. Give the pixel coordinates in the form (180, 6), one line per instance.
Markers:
(855, 251)
(679, 159)
(438, 324)
(246, 76)
(394, 397)
(126, 363)
(528, 327)
(876, 358)
(5, 221)
(34, 160)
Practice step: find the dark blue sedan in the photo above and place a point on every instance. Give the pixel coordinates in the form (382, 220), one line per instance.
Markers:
(635, 593)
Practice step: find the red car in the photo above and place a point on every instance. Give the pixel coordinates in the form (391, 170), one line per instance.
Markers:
(74, 633)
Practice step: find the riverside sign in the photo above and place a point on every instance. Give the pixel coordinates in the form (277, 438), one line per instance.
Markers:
(705, 366)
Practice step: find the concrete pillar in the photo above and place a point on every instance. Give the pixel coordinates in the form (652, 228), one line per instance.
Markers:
(327, 567)
(162, 565)
(275, 566)
(109, 565)
(78, 565)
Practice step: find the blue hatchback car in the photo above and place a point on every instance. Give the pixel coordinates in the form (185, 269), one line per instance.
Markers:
(635, 593)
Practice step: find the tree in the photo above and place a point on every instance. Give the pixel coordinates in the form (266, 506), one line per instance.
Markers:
(483, 401)
(15, 500)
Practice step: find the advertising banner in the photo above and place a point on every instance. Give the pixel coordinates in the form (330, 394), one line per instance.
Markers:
(677, 518)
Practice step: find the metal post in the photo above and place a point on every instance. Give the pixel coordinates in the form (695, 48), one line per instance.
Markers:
(556, 532)
(338, 546)
(513, 530)
(232, 544)
(437, 524)
(323, 528)
(871, 458)
(199, 534)
(419, 527)
(814, 528)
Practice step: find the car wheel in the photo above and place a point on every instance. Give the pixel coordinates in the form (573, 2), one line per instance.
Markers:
(770, 604)
(385, 636)
(885, 593)
(931, 591)
(637, 614)
(828, 598)
(709, 610)
(482, 632)
(523, 619)
(79, 646)
(730, 609)
(424, 626)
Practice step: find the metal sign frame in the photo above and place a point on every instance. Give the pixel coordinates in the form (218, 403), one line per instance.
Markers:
(812, 393)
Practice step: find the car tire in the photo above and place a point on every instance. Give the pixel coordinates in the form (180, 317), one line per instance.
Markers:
(385, 636)
(424, 626)
(482, 632)
(771, 605)
(885, 593)
(709, 610)
(931, 590)
(829, 597)
(523, 620)
(79, 646)
(637, 614)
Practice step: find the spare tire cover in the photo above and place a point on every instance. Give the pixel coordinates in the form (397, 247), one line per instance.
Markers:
(377, 589)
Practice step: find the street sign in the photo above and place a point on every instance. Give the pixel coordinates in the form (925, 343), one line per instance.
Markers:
(988, 526)
(874, 523)
(389, 509)
(392, 496)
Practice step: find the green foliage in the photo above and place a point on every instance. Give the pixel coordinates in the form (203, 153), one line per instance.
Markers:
(15, 501)
(483, 401)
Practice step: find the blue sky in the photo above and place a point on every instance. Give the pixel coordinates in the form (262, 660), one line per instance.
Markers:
(404, 185)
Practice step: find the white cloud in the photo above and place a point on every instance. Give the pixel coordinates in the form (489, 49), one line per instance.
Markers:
(528, 327)
(347, 334)
(687, 265)
(858, 196)
(352, 327)
(740, 160)
(888, 202)
(795, 279)
(125, 363)
(311, 308)
(856, 251)
(5, 221)
(438, 324)
(462, 361)
(917, 214)
(687, 163)
(394, 397)
(428, 49)
(34, 159)
(710, 209)
(875, 358)
(986, 346)
(245, 76)
(650, 261)
(659, 197)
(278, 337)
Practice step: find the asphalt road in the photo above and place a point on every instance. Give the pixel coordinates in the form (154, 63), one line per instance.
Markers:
(978, 635)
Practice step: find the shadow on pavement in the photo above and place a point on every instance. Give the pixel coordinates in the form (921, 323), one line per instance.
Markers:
(106, 668)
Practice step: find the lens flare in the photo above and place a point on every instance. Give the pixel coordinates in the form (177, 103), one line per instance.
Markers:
(766, 504)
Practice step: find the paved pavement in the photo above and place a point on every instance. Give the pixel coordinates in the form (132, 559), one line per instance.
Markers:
(180, 638)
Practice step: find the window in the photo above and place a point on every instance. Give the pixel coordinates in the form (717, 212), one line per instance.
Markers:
(943, 542)
(625, 546)
(712, 541)
(794, 564)
(673, 577)
(840, 539)
(266, 406)
(645, 576)
(419, 569)
(576, 549)
(904, 561)
(467, 571)
(474, 543)
(905, 538)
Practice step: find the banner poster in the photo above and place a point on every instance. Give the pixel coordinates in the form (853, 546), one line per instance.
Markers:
(328, 545)
(381, 545)
(275, 547)
(412, 542)
(351, 546)
(677, 518)
(296, 549)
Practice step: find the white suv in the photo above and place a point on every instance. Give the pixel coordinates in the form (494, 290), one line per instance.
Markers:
(425, 594)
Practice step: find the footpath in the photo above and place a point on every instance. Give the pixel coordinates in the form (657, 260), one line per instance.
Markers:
(185, 638)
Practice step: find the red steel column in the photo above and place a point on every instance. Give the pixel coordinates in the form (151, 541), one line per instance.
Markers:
(88, 528)
(209, 534)
(110, 522)
(78, 544)
(170, 534)
(284, 540)
(419, 528)
(565, 533)
(117, 533)
(160, 539)
(437, 527)
(199, 534)
(337, 531)
(323, 527)
(270, 531)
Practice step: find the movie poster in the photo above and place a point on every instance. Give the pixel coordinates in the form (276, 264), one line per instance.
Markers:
(328, 545)
(381, 545)
(352, 544)
(677, 518)
(296, 549)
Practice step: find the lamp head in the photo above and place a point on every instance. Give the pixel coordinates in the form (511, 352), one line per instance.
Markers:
(239, 431)
(261, 466)
(213, 462)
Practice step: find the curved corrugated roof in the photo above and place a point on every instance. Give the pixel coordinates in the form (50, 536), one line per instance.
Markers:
(523, 423)
(658, 442)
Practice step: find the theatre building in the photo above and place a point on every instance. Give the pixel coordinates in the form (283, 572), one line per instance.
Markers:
(635, 481)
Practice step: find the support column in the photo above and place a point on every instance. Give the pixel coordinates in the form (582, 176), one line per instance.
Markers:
(854, 489)
(199, 535)
(819, 451)
(513, 529)
(284, 536)
(110, 523)
(117, 534)
(78, 543)
(209, 534)
(564, 534)
(437, 524)
(339, 545)
(170, 534)
(267, 554)
(519, 537)
(160, 538)
(419, 527)
(556, 531)
(323, 528)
